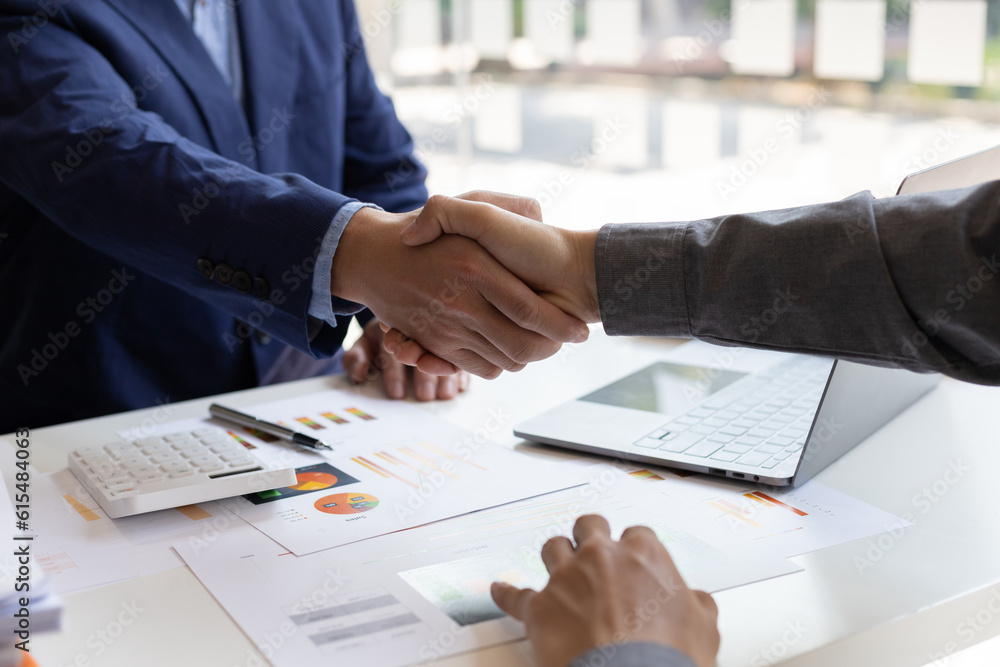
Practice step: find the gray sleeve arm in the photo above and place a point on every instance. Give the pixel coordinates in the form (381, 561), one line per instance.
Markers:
(633, 654)
(906, 281)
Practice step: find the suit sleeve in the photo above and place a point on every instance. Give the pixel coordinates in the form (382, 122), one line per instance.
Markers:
(633, 654)
(128, 194)
(908, 281)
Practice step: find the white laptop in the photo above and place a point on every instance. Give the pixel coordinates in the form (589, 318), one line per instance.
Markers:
(779, 426)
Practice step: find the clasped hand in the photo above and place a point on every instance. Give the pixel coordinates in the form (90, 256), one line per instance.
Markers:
(558, 293)
(462, 304)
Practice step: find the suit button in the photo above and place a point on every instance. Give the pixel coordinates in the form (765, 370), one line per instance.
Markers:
(224, 273)
(262, 337)
(206, 268)
(261, 289)
(242, 281)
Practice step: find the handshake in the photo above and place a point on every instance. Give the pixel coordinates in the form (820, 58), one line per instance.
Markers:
(473, 283)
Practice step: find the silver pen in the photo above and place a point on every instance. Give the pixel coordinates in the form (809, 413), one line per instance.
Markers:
(277, 430)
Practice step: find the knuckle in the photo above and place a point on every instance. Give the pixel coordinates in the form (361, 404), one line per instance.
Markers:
(528, 315)
(435, 202)
(534, 208)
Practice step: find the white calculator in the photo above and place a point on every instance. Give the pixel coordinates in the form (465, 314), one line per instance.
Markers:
(155, 473)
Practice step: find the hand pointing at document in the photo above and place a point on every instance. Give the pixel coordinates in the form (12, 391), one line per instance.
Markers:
(623, 600)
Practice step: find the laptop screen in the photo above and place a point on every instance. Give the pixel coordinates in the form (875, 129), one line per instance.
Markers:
(666, 388)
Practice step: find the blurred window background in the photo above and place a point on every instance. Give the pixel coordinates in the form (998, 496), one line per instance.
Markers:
(641, 110)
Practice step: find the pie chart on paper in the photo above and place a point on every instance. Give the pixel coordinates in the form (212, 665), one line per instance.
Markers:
(346, 503)
(313, 481)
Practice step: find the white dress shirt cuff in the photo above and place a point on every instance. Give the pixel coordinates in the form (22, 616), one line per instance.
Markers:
(322, 305)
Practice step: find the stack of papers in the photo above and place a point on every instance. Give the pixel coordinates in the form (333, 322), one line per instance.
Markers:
(384, 550)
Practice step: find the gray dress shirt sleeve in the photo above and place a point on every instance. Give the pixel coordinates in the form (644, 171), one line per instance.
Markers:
(634, 654)
(906, 281)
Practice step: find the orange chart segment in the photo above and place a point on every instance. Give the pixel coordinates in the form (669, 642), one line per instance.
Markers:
(346, 503)
(730, 510)
(765, 499)
(87, 513)
(382, 472)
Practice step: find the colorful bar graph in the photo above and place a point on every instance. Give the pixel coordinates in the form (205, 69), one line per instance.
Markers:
(376, 468)
(444, 454)
(240, 440)
(386, 456)
(336, 419)
(758, 496)
(305, 421)
(426, 461)
(360, 414)
(730, 510)
(645, 474)
(260, 435)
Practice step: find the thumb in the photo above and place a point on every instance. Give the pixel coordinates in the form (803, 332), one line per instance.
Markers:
(474, 216)
(525, 206)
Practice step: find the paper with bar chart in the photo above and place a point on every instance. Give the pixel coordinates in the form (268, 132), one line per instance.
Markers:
(784, 522)
(394, 466)
(423, 594)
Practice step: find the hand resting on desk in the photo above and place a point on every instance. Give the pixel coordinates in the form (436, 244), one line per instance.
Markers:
(606, 594)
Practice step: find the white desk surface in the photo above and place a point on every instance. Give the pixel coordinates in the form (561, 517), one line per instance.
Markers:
(911, 605)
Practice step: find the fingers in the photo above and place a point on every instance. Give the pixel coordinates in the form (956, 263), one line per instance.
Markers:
(640, 536)
(473, 215)
(708, 603)
(425, 386)
(357, 361)
(526, 206)
(556, 551)
(394, 378)
(403, 348)
(447, 387)
(512, 600)
(590, 527)
(532, 313)
(432, 365)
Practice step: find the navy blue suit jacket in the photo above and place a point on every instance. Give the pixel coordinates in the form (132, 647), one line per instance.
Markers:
(156, 236)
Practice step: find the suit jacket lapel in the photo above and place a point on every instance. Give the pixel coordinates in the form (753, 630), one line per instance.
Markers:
(162, 24)
(270, 33)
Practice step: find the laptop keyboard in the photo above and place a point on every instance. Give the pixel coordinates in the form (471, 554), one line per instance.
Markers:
(759, 421)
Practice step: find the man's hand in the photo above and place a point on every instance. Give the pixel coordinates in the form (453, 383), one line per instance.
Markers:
(367, 359)
(556, 263)
(453, 297)
(607, 593)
